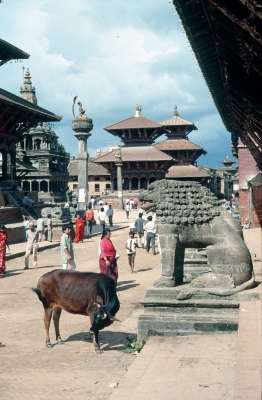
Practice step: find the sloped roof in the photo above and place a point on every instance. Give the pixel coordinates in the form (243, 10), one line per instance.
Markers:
(177, 121)
(18, 102)
(186, 171)
(177, 144)
(93, 169)
(10, 52)
(135, 153)
(133, 123)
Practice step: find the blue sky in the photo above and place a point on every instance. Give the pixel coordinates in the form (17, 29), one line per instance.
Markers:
(113, 55)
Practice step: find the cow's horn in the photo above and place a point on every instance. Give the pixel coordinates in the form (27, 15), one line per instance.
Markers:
(97, 304)
(104, 316)
(114, 319)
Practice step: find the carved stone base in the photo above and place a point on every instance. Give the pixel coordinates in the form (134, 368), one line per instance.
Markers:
(184, 310)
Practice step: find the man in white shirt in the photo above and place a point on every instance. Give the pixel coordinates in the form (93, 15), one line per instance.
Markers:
(150, 228)
(127, 210)
(106, 208)
(102, 217)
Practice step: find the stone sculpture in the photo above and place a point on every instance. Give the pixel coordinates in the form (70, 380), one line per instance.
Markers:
(56, 212)
(190, 216)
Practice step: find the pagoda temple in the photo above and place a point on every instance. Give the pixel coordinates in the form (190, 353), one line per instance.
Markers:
(17, 115)
(142, 162)
(39, 147)
(183, 152)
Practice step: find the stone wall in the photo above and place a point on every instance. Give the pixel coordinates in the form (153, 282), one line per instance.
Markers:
(10, 215)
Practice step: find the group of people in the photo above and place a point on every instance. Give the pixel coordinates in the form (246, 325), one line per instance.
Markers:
(146, 233)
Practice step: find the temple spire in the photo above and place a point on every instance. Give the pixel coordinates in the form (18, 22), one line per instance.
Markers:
(27, 91)
(175, 111)
(138, 111)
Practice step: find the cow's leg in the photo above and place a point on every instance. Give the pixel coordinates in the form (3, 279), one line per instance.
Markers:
(95, 336)
(56, 317)
(47, 319)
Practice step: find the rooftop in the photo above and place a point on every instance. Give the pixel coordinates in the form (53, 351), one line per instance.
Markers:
(138, 153)
(177, 144)
(19, 103)
(186, 171)
(9, 52)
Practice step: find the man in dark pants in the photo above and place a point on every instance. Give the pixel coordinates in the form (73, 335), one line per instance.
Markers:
(89, 218)
(150, 228)
(139, 226)
(110, 213)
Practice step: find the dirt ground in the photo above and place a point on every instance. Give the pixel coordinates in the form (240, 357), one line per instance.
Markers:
(28, 370)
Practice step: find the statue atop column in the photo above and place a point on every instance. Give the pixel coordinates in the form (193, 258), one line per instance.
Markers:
(81, 112)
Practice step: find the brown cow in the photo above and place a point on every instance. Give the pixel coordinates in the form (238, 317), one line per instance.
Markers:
(84, 293)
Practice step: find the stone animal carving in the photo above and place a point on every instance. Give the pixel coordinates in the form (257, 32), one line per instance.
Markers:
(56, 212)
(189, 215)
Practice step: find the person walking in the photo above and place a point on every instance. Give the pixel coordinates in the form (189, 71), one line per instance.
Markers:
(80, 226)
(26, 225)
(49, 224)
(139, 226)
(40, 226)
(67, 249)
(89, 217)
(3, 246)
(110, 213)
(127, 210)
(102, 216)
(32, 244)
(106, 207)
(150, 228)
(108, 257)
(131, 245)
(27, 202)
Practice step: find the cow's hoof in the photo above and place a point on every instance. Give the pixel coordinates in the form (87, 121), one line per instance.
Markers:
(99, 351)
(49, 345)
(60, 342)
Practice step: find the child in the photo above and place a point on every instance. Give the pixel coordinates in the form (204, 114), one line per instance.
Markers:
(131, 245)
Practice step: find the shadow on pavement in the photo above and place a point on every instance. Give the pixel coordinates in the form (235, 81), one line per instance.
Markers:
(143, 269)
(124, 282)
(109, 340)
(122, 288)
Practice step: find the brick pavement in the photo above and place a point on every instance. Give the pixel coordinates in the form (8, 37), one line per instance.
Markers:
(207, 367)
(28, 370)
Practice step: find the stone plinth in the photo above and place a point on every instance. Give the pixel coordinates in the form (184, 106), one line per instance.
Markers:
(82, 126)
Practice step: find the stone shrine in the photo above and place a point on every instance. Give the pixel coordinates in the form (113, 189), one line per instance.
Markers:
(189, 216)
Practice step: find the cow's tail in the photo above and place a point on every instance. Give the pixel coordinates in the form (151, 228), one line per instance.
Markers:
(37, 291)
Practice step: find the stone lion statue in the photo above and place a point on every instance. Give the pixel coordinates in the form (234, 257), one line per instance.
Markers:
(190, 216)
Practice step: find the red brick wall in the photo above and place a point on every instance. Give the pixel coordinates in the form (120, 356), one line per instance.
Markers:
(10, 215)
(257, 200)
(16, 235)
(247, 170)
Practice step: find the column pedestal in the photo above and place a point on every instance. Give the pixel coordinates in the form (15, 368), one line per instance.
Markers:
(82, 126)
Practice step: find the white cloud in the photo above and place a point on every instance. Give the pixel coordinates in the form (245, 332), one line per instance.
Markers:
(113, 55)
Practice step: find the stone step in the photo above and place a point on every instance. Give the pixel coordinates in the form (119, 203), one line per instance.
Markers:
(166, 323)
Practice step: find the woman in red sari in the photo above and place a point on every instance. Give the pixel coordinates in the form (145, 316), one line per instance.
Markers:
(80, 226)
(108, 256)
(3, 245)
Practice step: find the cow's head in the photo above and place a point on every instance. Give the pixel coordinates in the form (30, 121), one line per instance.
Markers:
(102, 319)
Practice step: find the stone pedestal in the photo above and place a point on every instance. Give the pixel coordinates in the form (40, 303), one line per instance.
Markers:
(119, 164)
(82, 126)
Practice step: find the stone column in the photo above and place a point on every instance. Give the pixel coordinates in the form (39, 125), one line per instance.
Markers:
(13, 165)
(82, 126)
(119, 164)
(24, 143)
(4, 165)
